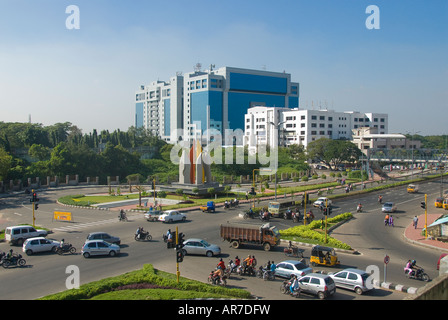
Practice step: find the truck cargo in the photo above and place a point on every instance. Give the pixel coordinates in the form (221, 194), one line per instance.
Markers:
(265, 235)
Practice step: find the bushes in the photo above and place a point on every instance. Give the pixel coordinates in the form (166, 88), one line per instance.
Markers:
(74, 201)
(308, 232)
(148, 275)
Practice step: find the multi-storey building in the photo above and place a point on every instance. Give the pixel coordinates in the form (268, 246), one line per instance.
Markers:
(158, 107)
(218, 99)
(264, 125)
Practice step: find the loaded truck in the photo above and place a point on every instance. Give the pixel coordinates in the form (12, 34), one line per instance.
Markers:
(265, 235)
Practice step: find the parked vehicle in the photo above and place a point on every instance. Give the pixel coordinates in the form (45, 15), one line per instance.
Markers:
(200, 246)
(351, 279)
(99, 247)
(39, 244)
(324, 256)
(172, 216)
(103, 236)
(153, 215)
(238, 235)
(317, 284)
(291, 267)
(210, 207)
(17, 235)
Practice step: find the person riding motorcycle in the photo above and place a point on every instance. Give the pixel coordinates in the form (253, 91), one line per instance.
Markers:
(294, 284)
(122, 215)
(221, 264)
(359, 208)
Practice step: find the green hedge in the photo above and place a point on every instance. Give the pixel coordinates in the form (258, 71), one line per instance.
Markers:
(309, 232)
(71, 201)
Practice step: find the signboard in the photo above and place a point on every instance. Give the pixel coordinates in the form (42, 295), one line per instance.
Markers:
(62, 216)
(386, 259)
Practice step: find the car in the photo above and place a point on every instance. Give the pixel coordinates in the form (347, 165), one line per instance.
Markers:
(39, 244)
(98, 248)
(103, 236)
(18, 234)
(172, 216)
(286, 269)
(318, 284)
(322, 201)
(199, 246)
(389, 207)
(153, 215)
(352, 279)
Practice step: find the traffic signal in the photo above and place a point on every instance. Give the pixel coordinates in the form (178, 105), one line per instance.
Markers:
(423, 204)
(179, 255)
(180, 240)
(330, 210)
(252, 191)
(36, 206)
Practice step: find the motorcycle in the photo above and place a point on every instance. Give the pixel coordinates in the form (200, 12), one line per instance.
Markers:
(293, 252)
(264, 217)
(265, 274)
(418, 274)
(122, 217)
(15, 260)
(244, 269)
(142, 236)
(65, 248)
(248, 214)
(285, 288)
(217, 280)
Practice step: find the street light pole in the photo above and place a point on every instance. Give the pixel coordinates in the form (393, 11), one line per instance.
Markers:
(276, 126)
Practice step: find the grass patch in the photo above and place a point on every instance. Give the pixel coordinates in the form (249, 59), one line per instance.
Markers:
(165, 288)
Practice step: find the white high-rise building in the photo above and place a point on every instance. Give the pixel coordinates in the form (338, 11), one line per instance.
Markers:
(295, 126)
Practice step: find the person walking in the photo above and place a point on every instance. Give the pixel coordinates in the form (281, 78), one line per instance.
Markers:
(415, 222)
(386, 220)
(391, 221)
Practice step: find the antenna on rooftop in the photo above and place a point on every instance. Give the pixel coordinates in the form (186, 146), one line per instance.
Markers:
(211, 67)
(197, 67)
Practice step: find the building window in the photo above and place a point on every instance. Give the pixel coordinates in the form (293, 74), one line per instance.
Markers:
(313, 117)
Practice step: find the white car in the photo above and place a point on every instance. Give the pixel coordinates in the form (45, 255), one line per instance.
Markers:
(39, 244)
(172, 216)
(322, 201)
(18, 234)
(99, 248)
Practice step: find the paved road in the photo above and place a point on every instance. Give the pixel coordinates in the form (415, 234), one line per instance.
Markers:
(45, 274)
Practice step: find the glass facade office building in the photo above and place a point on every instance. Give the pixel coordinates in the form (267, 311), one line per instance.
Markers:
(219, 99)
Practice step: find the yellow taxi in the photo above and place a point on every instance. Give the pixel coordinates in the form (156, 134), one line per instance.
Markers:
(412, 188)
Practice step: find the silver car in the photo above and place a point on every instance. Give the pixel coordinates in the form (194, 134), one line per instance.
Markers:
(39, 244)
(286, 269)
(98, 248)
(199, 246)
(103, 236)
(389, 207)
(318, 284)
(352, 279)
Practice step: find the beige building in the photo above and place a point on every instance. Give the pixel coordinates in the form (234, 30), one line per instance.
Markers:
(367, 138)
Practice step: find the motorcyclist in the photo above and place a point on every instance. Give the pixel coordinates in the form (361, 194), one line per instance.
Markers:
(61, 245)
(221, 264)
(294, 284)
(226, 204)
(414, 267)
(122, 215)
(217, 274)
(408, 267)
(236, 264)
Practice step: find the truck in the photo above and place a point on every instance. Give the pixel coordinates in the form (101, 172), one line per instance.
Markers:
(266, 235)
(210, 207)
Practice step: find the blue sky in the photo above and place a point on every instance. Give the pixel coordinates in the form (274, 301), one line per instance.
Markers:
(89, 76)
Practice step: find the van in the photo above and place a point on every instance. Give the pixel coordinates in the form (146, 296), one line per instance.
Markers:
(16, 235)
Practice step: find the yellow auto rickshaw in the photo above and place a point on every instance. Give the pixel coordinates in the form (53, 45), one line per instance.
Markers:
(445, 204)
(324, 256)
(438, 203)
(412, 188)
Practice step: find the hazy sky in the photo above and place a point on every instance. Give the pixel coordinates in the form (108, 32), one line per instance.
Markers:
(88, 76)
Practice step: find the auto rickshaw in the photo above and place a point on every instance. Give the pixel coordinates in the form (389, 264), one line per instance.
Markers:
(445, 204)
(438, 203)
(412, 188)
(323, 256)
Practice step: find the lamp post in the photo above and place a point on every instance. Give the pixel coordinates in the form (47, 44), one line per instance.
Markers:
(412, 148)
(276, 126)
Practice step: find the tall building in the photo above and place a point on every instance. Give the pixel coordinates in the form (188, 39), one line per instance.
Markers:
(158, 107)
(219, 99)
(265, 125)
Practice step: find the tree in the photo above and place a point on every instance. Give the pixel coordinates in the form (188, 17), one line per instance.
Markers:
(333, 152)
(5, 163)
(39, 152)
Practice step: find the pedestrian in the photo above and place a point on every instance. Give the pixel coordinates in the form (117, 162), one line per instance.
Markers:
(247, 195)
(391, 221)
(415, 222)
(386, 220)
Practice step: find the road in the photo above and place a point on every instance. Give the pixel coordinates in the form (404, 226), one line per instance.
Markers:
(46, 273)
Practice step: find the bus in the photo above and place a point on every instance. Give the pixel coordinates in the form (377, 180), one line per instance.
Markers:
(278, 208)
